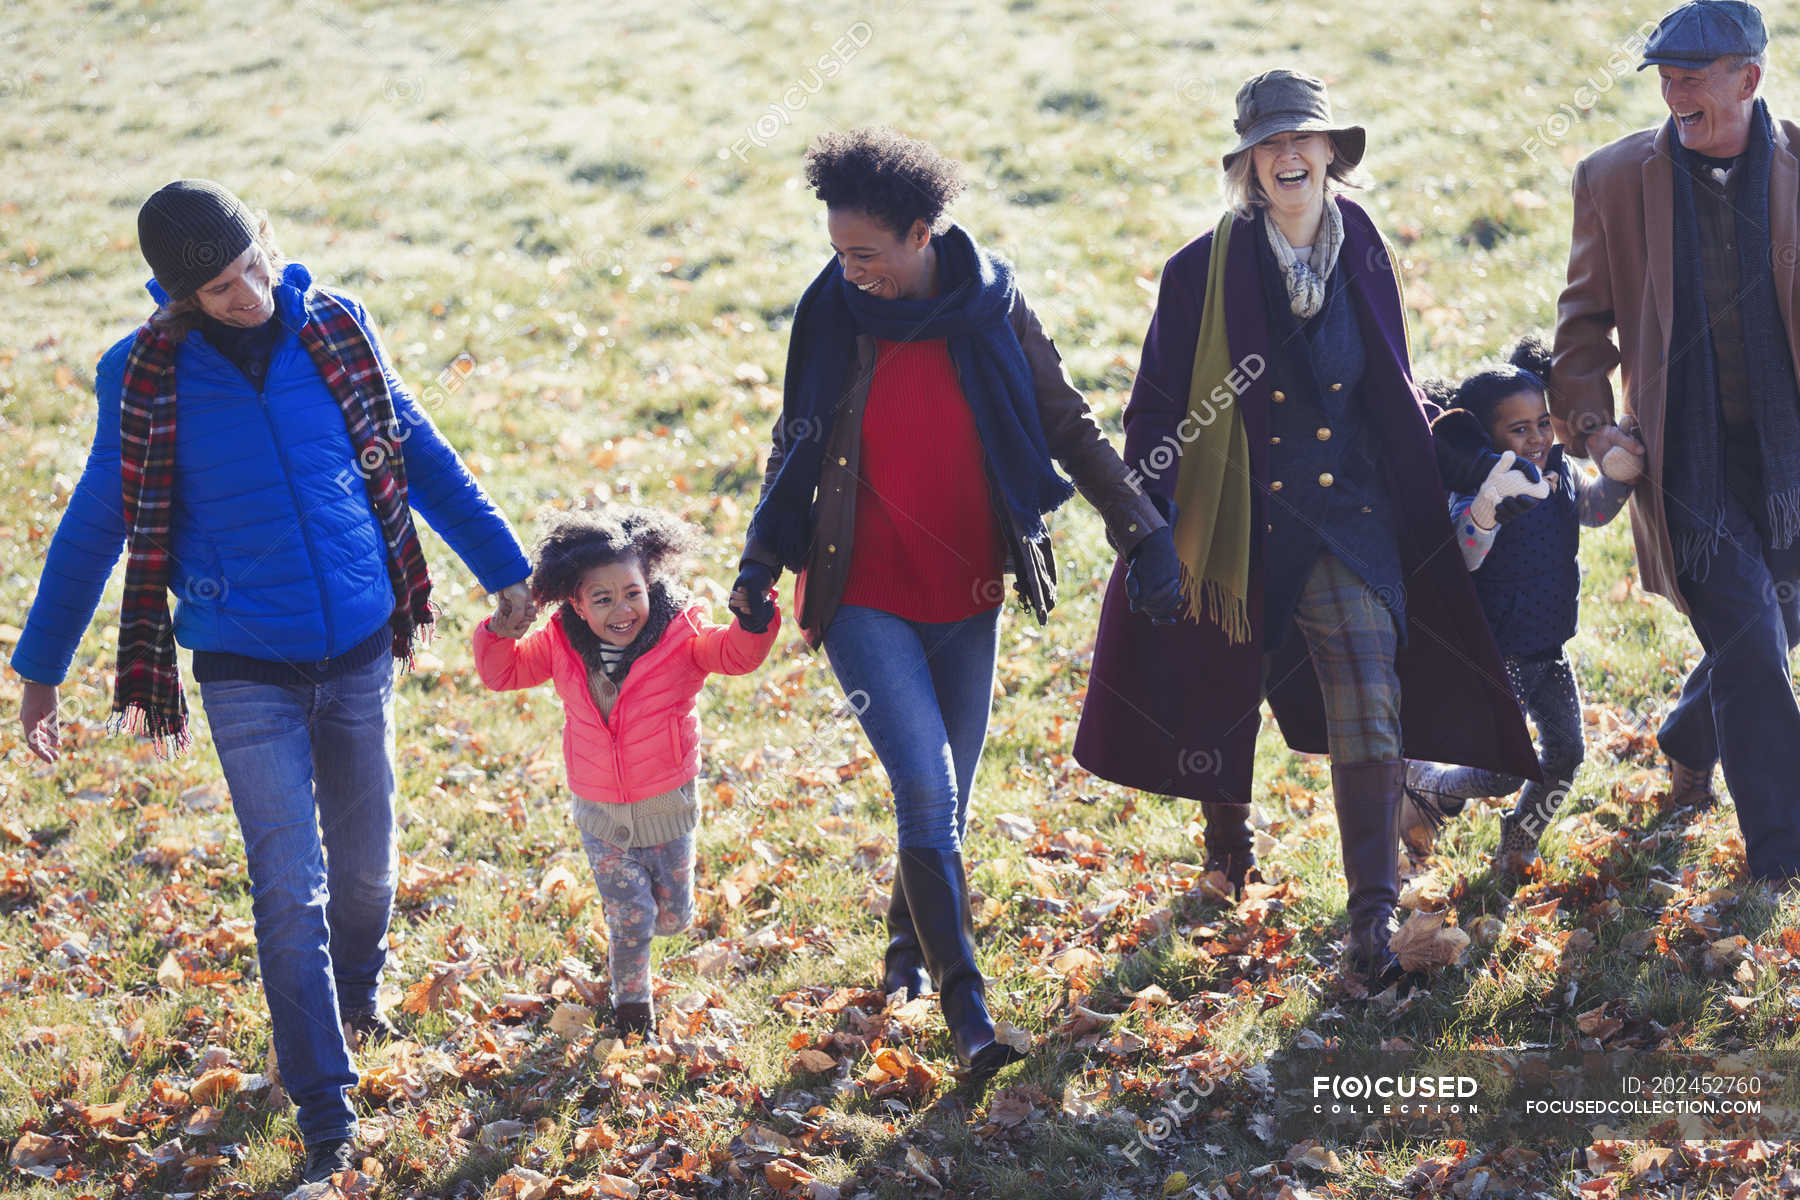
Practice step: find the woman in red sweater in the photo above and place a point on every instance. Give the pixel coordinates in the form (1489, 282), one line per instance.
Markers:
(923, 417)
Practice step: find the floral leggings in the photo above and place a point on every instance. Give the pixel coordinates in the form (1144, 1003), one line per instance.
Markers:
(644, 891)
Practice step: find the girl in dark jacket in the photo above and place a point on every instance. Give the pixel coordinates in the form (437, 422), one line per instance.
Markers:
(1521, 552)
(923, 415)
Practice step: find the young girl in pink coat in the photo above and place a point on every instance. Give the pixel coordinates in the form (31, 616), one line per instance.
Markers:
(628, 651)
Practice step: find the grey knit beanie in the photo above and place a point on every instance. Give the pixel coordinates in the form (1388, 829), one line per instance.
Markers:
(191, 230)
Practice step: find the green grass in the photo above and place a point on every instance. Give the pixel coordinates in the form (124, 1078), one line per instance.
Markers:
(553, 190)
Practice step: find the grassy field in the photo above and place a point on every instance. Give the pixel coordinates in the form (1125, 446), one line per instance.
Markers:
(600, 207)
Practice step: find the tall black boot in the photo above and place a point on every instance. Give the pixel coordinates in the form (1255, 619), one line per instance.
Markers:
(903, 967)
(937, 895)
(1367, 797)
(1229, 842)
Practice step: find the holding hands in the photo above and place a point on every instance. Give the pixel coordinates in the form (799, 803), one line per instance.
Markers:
(1153, 577)
(753, 596)
(514, 611)
(1619, 454)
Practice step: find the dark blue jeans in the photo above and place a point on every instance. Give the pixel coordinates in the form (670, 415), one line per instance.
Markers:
(1737, 707)
(311, 773)
(922, 692)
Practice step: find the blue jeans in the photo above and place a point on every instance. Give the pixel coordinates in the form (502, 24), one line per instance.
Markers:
(1737, 707)
(311, 773)
(922, 692)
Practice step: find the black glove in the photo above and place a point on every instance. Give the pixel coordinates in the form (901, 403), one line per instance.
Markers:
(1153, 577)
(750, 598)
(1514, 506)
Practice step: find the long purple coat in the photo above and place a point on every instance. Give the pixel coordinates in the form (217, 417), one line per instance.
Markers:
(1175, 709)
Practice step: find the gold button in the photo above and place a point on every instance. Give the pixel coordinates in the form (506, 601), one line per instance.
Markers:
(1337, 387)
(1268, 529)
(842, 462)
(1131, 528)
(1278, 396)
(1274, 441)
(1324, 435)
(1326, 480)
(1276, 486)
(831, 549)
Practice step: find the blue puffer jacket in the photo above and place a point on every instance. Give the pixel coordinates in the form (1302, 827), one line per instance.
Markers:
(277, 553)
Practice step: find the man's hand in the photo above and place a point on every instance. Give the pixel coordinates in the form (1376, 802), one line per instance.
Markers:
(1619, 455)
(514, 611)
(37, 717)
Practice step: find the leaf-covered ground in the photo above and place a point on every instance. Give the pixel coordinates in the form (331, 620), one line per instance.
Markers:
(582, 225)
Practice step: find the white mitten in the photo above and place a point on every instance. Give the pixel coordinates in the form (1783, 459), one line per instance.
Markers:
(1621, 465)
(1503, 483)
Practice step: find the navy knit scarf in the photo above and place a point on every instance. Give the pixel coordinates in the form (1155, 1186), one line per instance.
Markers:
(972, 314)
(1694, 469)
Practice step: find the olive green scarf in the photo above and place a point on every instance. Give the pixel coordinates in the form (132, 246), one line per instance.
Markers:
(1212, 487)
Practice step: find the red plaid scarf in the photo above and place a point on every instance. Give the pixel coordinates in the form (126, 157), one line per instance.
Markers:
(147, 695)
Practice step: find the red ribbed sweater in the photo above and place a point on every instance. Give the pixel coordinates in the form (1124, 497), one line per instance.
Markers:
(927, 545)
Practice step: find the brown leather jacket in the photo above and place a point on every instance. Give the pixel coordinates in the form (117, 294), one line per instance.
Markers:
(1075, 440)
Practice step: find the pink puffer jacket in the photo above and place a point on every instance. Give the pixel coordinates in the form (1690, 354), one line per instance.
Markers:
(651, 742)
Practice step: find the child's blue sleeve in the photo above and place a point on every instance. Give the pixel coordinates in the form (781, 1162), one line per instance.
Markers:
(1598, 497)
(1471, 539)
(87, 542)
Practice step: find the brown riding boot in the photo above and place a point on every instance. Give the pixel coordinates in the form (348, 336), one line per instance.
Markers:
(1230, 844)
(1367, 797)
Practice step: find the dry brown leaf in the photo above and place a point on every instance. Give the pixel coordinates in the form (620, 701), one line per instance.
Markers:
(521, 1183)
(812, 1062)
(202, 1121)
(919, 1166)
(785, 1175)
(1076, 961)
(571, 1020)
(220, 1081)
(1019, 829)
(170, 974)
(1425, 943)
(101, 1115)
(35, 1149)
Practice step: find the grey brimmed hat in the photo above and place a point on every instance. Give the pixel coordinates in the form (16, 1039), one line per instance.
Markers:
(1703, 31)
(1283, 101)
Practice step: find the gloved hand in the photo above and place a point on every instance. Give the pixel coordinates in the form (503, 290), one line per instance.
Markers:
(1153, 577)
(1620, 455)
(1514, 506)
(1510, 478)
(752, 596)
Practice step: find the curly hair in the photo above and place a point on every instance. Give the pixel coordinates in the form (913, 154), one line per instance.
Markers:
(577, 541)
(894, 178)
(1526, 370)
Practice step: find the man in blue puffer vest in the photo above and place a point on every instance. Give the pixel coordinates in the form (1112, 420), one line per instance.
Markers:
(275, 502)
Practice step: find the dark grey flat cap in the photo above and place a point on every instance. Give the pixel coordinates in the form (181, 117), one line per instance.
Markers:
(1703, 31)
